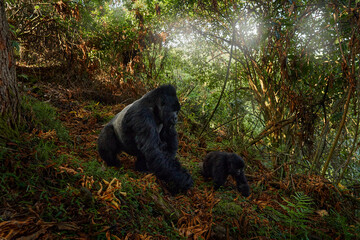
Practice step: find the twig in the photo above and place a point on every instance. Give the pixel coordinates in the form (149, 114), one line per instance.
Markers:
(225, 82)
(272, 128)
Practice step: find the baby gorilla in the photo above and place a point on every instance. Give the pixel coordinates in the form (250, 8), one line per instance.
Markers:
(218, 165)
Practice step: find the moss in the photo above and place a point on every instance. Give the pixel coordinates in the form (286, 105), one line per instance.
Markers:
(7, 132)
(228, 209)
(43, 116)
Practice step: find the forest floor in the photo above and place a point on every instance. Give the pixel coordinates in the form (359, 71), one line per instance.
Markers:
(53, 185)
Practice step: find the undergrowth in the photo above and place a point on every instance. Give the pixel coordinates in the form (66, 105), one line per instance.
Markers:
(53, 185)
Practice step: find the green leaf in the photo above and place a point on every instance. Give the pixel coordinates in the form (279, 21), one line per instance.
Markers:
(16, 45)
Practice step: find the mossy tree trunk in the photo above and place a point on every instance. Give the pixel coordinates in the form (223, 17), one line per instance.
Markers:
(9, 94)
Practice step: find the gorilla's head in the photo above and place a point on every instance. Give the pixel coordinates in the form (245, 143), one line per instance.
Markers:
(168, 105)
(236, 167)
(236, 164)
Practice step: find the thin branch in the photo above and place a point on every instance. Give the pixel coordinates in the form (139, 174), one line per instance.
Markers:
(272, 128)
(342, 123)
(225, 82)
(355, 145)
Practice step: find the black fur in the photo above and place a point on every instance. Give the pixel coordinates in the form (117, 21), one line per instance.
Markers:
(218, 165)
(146, 129)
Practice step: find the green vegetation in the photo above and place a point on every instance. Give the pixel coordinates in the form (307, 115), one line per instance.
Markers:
(286, 98)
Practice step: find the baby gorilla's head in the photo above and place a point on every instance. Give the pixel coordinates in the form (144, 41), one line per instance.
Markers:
(236, 167)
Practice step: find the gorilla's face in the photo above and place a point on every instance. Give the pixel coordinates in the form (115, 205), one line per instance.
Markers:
(173, 117)
(244, 189)
(236, 165)
(236, 168)
(169, 109)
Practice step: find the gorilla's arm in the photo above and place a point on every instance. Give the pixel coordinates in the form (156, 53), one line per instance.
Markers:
(168, 137)
(109, 146)
(148, 141)
(219, 171)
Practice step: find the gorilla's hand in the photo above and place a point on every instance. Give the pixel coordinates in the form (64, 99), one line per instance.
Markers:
(181, 182)
(244, 189)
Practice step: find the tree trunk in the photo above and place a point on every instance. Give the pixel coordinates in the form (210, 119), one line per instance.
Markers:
(9, 94)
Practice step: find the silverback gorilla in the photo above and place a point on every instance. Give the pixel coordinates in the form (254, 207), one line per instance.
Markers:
(218, 165)
(146, 129)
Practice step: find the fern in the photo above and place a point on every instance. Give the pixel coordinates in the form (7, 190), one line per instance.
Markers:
(297, 212)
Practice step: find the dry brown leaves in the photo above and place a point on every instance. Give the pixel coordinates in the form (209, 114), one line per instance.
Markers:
(198, 224)
(107, 190)
(137, 236)
(146, 182)
(49, 135)
(317, 187)
(65, 10)
(108, 195)
(32, 228)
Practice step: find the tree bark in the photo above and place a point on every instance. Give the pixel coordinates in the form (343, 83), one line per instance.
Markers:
(9, 93)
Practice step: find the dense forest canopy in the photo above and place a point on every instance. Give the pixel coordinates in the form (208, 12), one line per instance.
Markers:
(276, 81)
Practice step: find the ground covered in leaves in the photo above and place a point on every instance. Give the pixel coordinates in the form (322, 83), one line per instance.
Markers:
(54, 186)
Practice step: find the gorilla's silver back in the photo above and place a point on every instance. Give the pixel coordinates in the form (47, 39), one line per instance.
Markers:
(117, 121)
